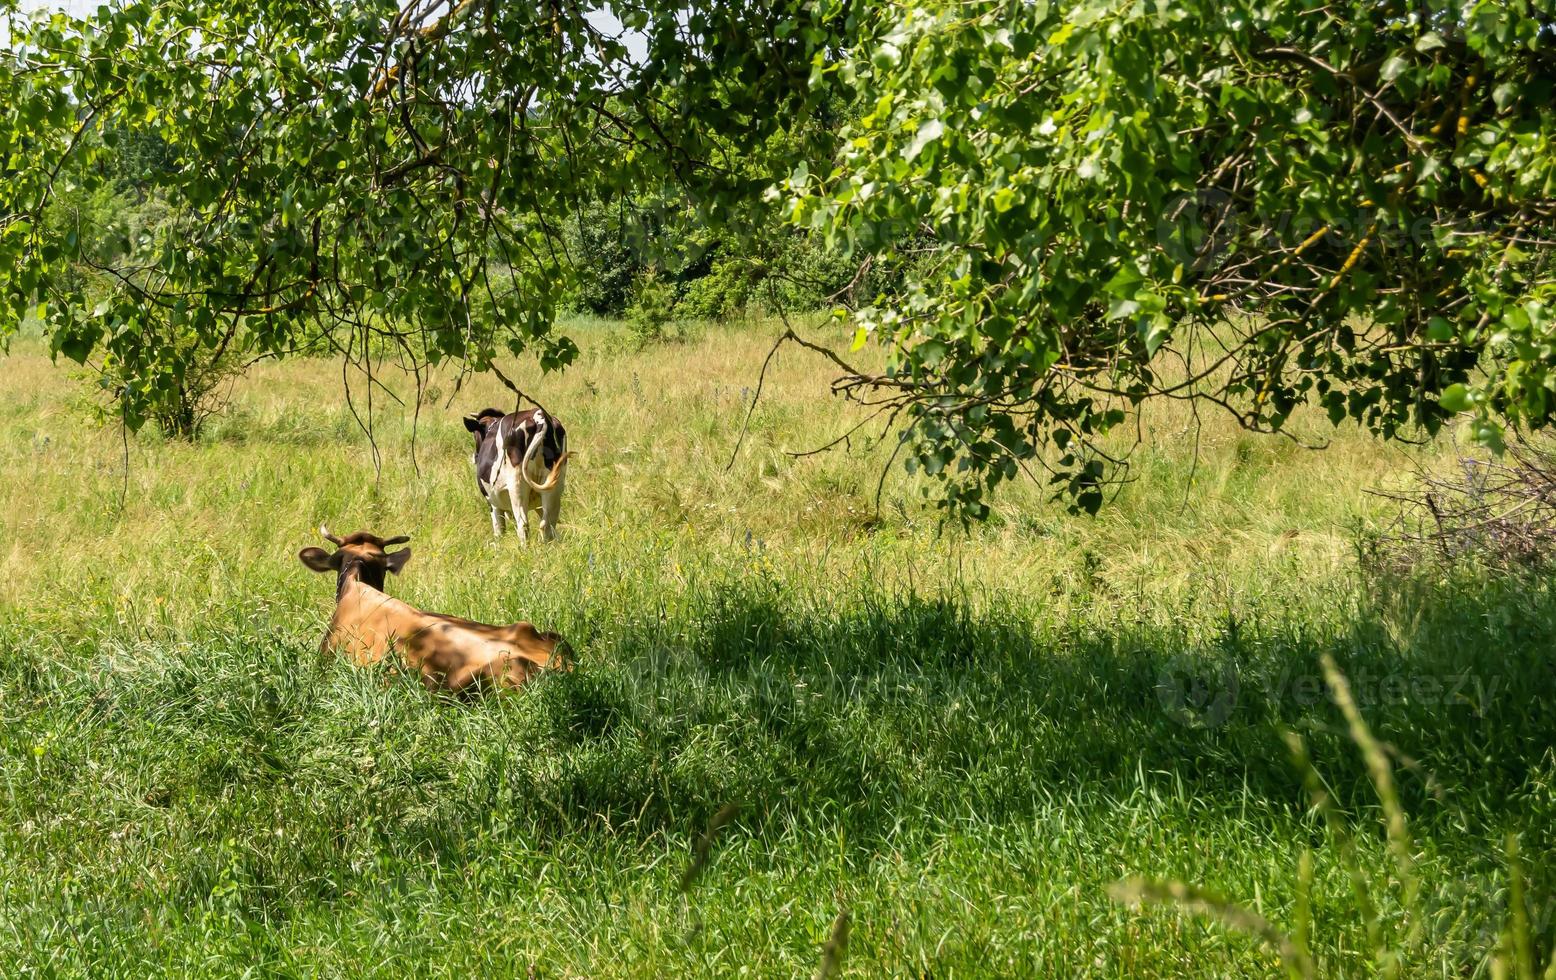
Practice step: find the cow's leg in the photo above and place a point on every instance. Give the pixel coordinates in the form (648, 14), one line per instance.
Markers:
(516, 501)
(550, 512)
(496, 522)
(531, 503)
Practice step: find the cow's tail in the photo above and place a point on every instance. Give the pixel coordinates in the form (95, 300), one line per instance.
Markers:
(555, 475)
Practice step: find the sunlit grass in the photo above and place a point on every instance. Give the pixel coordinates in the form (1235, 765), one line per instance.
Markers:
(962, 739)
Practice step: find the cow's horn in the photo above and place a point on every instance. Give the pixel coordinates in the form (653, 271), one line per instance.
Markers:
(332, 539)
(397, 539)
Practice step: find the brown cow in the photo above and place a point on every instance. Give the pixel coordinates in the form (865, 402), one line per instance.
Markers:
(451, 653)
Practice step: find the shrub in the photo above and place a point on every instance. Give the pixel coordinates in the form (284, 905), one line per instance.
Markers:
(653, 307)
(1494, 511)
(722, 294)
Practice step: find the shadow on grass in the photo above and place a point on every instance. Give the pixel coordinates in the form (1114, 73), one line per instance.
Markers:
(254, 763)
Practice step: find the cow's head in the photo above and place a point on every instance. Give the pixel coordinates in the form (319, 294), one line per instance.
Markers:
(360, 556)
(481, 423)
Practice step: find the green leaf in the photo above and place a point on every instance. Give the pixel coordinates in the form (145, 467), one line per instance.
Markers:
(1455, 398)
(1488, 433)
(928, 132)
(1154, 330)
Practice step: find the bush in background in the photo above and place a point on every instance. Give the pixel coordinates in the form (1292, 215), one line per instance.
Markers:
(1495, 512)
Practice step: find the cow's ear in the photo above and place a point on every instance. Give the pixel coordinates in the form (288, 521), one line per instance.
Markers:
(320, 560)
(397, 559)
(472, 423)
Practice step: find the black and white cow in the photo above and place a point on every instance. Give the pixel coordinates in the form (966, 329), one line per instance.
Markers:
(520, 465)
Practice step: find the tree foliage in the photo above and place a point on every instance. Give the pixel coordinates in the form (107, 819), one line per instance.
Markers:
(1255, 204)
(364, 173)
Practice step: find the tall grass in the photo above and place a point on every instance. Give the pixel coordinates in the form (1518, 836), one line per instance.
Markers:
(960, 741)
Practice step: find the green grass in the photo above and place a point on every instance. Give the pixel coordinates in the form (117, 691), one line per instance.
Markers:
(962, 740)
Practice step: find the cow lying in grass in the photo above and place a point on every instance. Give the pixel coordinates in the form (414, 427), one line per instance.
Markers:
(520, 465)
(451, 653)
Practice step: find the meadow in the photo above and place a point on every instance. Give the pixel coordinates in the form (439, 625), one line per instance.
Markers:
(960, 738)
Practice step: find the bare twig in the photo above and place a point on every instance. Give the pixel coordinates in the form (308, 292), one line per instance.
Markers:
(1499, 511)
(519, 394)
